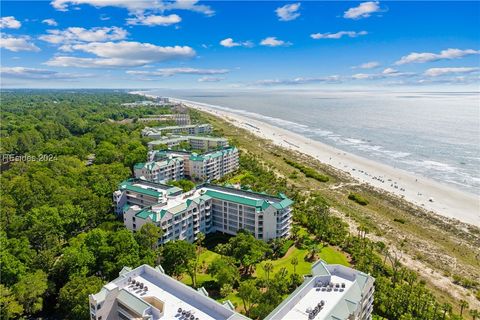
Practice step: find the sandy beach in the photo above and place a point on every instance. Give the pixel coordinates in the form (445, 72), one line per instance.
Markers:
(429, 194)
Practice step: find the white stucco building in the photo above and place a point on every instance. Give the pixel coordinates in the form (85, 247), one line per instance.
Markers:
(149, 294)
(333, 292)
(167, 169)
(204, 143)
(158, 132)
(169, 165)
(207, 209)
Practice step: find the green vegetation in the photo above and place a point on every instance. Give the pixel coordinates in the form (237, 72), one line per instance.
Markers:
(58, 233)
(358, 199)
(307, 171)
(184, 184)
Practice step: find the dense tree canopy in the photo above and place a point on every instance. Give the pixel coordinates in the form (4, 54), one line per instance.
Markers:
(57, 225)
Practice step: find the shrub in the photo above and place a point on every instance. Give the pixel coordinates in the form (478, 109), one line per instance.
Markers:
(399, 220)
(307, 171)
(286, 245)
(358, 199)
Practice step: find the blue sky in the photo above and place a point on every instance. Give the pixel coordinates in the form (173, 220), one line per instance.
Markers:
(226, 44)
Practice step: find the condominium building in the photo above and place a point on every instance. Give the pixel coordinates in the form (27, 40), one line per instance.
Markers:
(212, 165)
(136, 192)
(166, 165)
(210, 208)
(333, 292)
(204, 143)
(157, 132)
(180, 119)
(149, 294)
(166, 169)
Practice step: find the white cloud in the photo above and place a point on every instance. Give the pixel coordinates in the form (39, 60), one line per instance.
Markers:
(368, 65)
(168, 72)
(361, 76)
(210, 79)
(78, 34)
(229, 43)
(41, 74)
(15, 44)
(288, 12)
(299, 80)
(121, 54)
(137, 6)
(338, 35)
(189, 5)
(274, 42)
(9, 23)
(386, 73)
(390, 71)
(364, 10)
(435, 72)
(423, 57)
(50, 22)
(153, 20)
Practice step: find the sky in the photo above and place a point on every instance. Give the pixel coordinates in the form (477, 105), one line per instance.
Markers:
(231, 44)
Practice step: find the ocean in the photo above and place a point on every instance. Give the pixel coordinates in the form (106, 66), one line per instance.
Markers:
(434, 134)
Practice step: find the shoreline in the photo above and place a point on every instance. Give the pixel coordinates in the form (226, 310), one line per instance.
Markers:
(426, 193)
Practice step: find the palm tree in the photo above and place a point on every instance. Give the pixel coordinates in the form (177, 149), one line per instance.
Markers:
(475, 314)
(199, 249)
(446, 307)
(295, 231)
(463, 305)
(294, 263)
(268, 267)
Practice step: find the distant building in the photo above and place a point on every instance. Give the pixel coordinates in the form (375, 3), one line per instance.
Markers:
(142, 193)
(157, 132)
(180, 119)
(212, 165)
(333, 292)
(148, 293)
(196, 142)
(167, 169)
(208, 208)
(146, 103)
(166, 165)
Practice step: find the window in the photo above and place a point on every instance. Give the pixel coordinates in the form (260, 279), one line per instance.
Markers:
(134, 226)
(133, 219)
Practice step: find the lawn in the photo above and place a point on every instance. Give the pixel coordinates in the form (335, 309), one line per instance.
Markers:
(332, 256)
(328, 254)
(302, 268)
(206, 257)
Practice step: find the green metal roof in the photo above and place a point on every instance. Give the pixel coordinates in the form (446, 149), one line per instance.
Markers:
(128, 186)
(139, 165)
(148, 213)
(283, 204)
(262, 204)
(211, 155)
